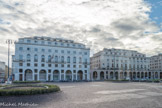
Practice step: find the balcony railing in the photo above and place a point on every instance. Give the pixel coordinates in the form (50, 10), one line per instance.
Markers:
(56, 62)
(16, 60)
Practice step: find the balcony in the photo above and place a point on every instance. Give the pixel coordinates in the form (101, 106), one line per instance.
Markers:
(16, 60)
(56, 62)
(86, 63)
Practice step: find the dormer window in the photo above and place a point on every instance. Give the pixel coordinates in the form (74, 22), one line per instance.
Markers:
(49, 43)
(42, 42)
(28, 41)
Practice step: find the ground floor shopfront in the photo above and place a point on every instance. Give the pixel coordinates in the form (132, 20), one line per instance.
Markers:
(120, 75)
(55, 75)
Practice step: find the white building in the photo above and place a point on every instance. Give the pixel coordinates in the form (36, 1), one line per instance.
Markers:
(156, 64)
(50, 59)
(121, 64)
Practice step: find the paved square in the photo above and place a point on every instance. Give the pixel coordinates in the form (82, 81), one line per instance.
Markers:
(97, 95)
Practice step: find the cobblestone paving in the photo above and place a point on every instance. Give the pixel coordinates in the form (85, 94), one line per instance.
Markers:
(93, 95)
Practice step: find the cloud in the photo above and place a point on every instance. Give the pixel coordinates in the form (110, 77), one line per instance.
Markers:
(97, 23)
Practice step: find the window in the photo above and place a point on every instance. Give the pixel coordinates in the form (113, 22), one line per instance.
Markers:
(28, 41)
(62, 65)
(62, 51)
(74, 59)
(36, 49)
(74, 66)
(35, 70)
(49, 50)
(49, 58)
(68, 66)
(68, 59)
(49, 65)
(56, 51)
(62, 58)
(80, 52)
(80, 59)
(35, 64)
(85, 53)
(49, 43)
(49, 71)
(28, 57)
(74, 52)
(28, 49)
(42, 65)
(20, 70)
(80, 66)
(62, 44)
(56, 65)
(20, 57)
(42, 42)
(20, 64)
(85, 60)
(28, 64)
(20, 48)
(43, 50)
(36, 58)
(42, 58)
(56, 59)
(68, 52)
(85, 66)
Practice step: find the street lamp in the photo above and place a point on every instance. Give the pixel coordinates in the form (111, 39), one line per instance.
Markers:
(9, 41)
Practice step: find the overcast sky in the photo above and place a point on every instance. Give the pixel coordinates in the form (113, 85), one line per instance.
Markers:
(124, 24)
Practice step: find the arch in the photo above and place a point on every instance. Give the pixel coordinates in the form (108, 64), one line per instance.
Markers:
(28, 75)
(142, 75)
(146, 76)
(156, 75)
(138, 75)
(134, 75)
(111, 75)
(102, 75)
(42, 75)
(95, 75)
(80, 75)
(149, 76)
(116, 75)
(131, 75)
(125, 75)
(68, 75)
(121, 75)
(56, 75)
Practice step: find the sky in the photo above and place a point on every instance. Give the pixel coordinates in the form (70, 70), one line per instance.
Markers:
(122, 24)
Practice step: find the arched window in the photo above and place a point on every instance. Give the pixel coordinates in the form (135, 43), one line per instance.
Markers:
(56, 59)
(28, 57)
(68, 59)
(74, 59)
(49, 58)
(85, 60)
(35, 58)
(42, 58)
(62, 58)
(80, 59)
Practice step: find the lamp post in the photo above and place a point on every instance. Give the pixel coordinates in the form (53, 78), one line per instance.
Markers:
(8, 42)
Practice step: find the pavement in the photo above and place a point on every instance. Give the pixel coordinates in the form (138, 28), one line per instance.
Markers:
(92, 95)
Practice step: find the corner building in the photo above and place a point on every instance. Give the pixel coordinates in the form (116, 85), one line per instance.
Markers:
(50, 59)
(119, 64)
